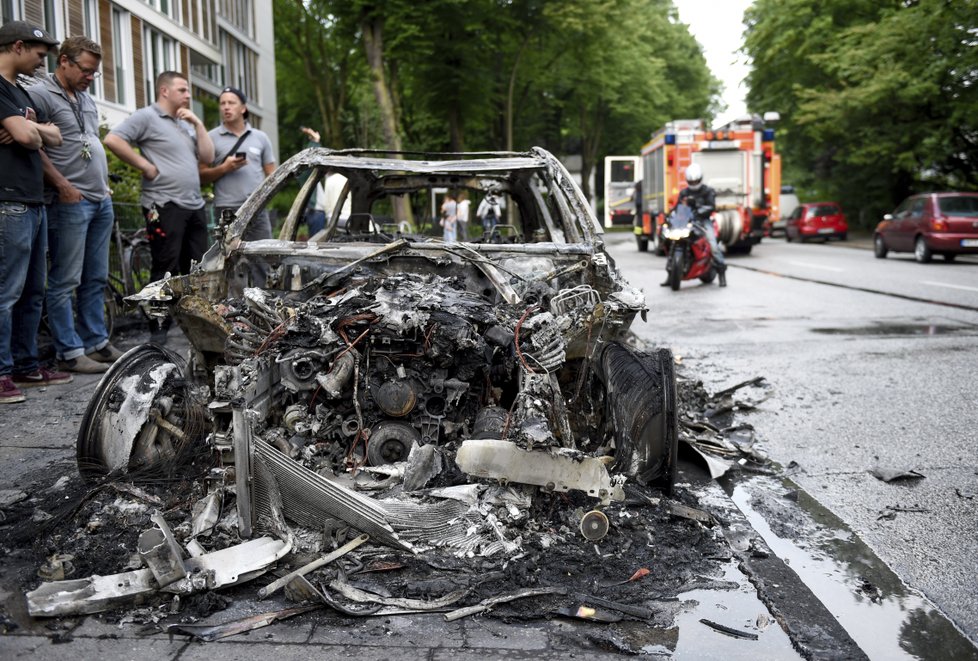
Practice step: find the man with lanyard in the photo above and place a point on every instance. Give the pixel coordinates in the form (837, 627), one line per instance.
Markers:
(173, 142)
(23, 227)
(79, 210)
(244, 159)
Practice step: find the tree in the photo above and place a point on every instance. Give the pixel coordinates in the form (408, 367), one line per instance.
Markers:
(456, 75)
(878, 99)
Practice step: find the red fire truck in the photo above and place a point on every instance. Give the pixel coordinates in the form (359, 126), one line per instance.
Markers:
(738, 161)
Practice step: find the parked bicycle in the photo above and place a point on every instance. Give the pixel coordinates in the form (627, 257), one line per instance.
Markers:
(129, 258)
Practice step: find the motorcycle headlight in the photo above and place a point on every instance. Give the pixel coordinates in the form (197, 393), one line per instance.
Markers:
(675, 235)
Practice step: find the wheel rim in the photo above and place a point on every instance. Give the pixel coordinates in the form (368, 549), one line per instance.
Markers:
(140, 418)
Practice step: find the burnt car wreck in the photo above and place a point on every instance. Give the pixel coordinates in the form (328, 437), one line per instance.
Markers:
(377, 380)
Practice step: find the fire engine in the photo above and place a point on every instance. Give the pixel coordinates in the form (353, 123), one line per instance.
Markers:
(738, 161)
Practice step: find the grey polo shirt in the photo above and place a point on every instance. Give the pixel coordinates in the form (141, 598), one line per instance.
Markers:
(233, 189)
(171, 145)
(79, 126)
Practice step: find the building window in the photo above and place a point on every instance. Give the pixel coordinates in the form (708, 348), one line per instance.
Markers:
(122, 57)
(90, 19)
(169, 8)
(241, 66)
(211, 73)
(159, 55)
(9, 11)
(51, 25)
(240, 14)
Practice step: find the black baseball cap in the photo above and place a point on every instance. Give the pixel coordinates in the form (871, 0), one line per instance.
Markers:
(14, 31)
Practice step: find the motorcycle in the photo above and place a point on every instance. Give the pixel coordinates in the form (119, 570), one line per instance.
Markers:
(688, 253)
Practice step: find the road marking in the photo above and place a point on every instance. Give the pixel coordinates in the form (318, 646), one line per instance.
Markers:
(834, 269)
(841, 285)
(948, 284)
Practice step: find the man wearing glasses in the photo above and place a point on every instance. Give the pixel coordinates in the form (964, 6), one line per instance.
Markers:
(79, 210)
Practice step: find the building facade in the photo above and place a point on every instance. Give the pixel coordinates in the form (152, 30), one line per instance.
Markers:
(215, 42)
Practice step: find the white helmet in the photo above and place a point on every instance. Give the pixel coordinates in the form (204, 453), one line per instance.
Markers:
(694, 176)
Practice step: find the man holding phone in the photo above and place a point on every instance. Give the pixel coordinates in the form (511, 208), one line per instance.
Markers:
(244, 157)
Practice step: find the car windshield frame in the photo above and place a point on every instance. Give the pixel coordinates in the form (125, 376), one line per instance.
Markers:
(563, 212)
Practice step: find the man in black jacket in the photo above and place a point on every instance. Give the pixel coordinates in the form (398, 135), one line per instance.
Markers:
(702, 201)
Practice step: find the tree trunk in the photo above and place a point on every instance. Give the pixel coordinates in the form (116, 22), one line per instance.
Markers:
(591, 129)
(510, 92)
(373, 43)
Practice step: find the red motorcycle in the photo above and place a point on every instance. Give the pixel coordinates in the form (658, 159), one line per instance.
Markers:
(688, 253)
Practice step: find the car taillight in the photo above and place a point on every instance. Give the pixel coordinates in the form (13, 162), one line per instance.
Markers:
(938, 225)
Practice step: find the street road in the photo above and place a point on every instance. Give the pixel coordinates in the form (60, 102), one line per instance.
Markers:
(870, 362)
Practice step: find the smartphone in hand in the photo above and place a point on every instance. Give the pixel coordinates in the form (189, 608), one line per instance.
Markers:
(241, 155)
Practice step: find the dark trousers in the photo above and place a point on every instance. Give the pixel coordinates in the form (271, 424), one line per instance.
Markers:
(176, 238)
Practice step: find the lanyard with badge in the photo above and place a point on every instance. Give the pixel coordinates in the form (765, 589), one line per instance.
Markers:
(86, 147)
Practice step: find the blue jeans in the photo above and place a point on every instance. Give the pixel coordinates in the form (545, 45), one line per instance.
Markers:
(78, 243)
(23, 266)
(316, 221)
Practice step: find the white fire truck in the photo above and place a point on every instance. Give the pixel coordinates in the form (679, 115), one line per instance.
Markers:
(738, 161)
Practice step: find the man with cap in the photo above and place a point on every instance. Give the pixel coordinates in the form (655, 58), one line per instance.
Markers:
(79, 210)
(244, 159)
(23, 226)
(172, 143)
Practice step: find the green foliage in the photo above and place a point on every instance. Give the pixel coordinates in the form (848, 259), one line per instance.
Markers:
(126, 182)
(878, 98)
(575, 77)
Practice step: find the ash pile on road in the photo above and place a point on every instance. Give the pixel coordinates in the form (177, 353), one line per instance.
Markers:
(656, 547)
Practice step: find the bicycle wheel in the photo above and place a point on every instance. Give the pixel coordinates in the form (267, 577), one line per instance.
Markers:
(111, 309)
(140, 262)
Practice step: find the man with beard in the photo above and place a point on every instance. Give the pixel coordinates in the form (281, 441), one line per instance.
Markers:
(79, 210)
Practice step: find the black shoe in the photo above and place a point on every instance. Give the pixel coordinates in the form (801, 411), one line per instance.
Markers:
(664, 283)
(723, 278)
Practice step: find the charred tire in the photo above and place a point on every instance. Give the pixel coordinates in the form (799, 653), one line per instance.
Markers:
(643, 243)
(140, 419)
(879, 247)
(921, 252)
(677, 266)
(641, 403)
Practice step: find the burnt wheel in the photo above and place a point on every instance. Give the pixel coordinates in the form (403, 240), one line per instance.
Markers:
(641, 403)
(141, 419)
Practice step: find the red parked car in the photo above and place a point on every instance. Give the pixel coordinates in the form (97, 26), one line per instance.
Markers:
(812, 220)
(928, 224)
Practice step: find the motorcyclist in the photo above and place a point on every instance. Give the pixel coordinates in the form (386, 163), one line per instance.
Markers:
(701, 199)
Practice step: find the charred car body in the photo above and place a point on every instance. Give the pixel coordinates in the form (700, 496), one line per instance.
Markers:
(376, 350)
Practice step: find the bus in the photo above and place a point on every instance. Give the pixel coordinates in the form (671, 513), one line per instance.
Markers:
(620, 175)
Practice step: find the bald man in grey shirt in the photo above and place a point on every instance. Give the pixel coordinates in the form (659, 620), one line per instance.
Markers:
(173, 142)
